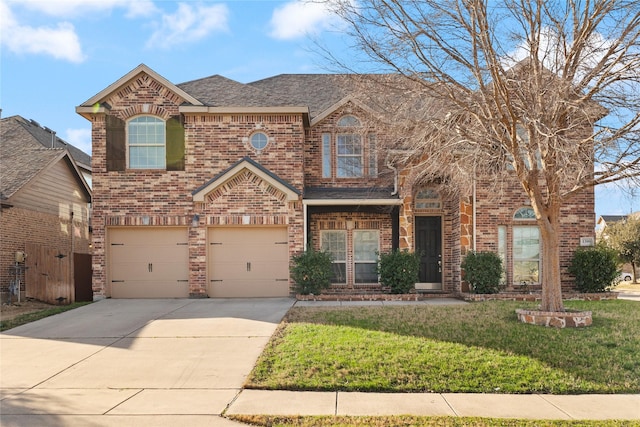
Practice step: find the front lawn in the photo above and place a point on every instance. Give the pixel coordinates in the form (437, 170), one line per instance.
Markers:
(478, 348)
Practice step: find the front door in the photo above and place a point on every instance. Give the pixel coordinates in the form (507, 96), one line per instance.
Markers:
(429, 246)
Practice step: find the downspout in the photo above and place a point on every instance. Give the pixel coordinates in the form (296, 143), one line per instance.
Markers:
(395, 176)
(304, 225)
(473, 232)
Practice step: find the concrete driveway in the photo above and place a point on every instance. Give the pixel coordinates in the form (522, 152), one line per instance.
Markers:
(134, 362)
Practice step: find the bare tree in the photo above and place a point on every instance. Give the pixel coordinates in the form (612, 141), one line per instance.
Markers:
(544, 92)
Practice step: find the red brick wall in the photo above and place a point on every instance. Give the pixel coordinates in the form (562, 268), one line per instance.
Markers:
(212, 143)
(313, 152)
(497, 208)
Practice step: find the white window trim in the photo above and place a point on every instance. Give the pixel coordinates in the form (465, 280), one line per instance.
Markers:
(129, 145)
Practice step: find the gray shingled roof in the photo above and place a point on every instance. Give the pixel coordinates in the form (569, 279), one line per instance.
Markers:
(315, 91)
(22, 157)
(48, 139)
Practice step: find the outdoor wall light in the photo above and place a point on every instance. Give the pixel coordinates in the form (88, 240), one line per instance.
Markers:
(195, 220)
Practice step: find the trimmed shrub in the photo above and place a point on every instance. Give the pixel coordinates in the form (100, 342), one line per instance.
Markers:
(595, 268)
(482, 270)
(399, 270)
(311, 271)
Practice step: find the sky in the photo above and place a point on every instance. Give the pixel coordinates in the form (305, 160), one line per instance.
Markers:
(56, 54)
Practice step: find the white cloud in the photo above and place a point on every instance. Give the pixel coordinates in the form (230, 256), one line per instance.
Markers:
(60, 41)
(190, 23)
(299, 18)
(79, 138)
(75, 8)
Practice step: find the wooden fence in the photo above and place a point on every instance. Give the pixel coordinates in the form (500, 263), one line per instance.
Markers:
(48, 276)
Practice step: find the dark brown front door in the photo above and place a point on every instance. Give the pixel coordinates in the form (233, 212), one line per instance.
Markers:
(429, 246)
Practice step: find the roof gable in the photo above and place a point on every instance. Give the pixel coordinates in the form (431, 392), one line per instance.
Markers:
(24, 158)
(94, 104)
(246, 164)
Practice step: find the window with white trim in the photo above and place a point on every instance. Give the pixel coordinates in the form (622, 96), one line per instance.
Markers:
(335, 243)
(347, 154)
(365, 255)
(146, 138)
(526, 254)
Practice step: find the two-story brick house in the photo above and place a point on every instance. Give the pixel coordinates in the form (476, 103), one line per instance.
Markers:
(207, 188)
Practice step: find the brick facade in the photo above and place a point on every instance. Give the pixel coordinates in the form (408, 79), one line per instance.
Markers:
(214, 141)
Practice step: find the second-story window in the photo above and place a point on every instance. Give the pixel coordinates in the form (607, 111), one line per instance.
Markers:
(146, 139)
(349, 157)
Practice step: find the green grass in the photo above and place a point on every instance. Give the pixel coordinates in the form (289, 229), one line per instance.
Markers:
(474, 348)
(401, 421)
(37, 315)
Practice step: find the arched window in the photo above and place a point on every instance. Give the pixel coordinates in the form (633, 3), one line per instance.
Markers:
(348, 121)
(525, 213)
(146, 137)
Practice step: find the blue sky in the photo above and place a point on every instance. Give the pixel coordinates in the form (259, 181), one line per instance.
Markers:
(55, 54)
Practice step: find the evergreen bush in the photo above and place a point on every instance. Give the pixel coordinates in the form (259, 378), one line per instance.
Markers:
(595, 268)
(399, 270)
(311, 271)
(482, 270)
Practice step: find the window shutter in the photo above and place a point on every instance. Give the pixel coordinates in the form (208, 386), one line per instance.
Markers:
(116, 144)
(175, 144)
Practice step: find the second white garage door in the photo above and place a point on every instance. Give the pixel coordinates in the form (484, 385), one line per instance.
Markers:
(248, 262)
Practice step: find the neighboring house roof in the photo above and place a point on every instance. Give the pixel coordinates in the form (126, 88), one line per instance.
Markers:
(48, 139)
(24, 156)
(610, 219)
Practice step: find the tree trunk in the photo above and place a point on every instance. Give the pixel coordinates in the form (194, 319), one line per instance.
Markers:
(551, 285)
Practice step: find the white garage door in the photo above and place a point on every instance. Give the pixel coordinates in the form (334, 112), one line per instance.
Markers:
(248, 262)
(148, 262)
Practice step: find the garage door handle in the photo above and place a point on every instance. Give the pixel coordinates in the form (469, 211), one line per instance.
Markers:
(248, 266)
(150, 268)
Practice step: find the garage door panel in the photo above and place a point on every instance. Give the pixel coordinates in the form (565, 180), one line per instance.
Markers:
(149, 262)
(149, 289)
(248, 262)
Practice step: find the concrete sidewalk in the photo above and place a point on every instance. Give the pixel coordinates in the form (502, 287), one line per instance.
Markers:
(531, 406)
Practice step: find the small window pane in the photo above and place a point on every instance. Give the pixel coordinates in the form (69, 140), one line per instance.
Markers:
(349, 156)
(366, 273)
(428, 199)
(502, 251)
(365, 245)
(259, 140)
(373, 156)
(326, 155)
(335, 243)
